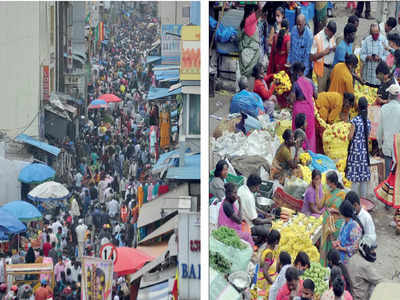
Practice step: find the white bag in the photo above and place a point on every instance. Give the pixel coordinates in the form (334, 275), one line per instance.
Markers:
(214, 211)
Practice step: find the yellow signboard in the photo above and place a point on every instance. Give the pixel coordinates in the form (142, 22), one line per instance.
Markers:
(190, 56)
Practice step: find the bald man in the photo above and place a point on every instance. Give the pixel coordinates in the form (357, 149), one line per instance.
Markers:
(301, 41)
(372, 53)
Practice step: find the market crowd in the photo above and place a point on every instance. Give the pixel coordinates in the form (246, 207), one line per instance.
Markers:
(110, 176)
(328, 80)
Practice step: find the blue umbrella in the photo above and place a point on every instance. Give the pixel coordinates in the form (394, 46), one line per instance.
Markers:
(24, 211)
(36, 173)
(10, 224)
(97, 103)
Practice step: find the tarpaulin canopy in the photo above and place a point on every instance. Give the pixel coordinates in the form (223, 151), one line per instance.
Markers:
(50, 190)
(109, 98)
(10, 224)
(36, 173)
(22, 210)
(164, 161)
(130, 260)
(167, 75)
(41, 145)
(189, 171)
(158, 93)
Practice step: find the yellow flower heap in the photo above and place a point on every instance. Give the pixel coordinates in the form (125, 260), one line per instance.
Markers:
(305, 160)
(285, 85)
(296, 236)
(360, 90)
(336, 142)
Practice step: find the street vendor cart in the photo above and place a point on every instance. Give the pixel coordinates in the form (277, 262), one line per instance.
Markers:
(15, 274)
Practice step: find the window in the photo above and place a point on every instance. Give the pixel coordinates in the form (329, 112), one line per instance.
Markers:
(193, 114)
(186, 12)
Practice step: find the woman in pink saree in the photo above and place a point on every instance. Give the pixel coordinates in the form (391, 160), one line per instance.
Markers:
(231, 217)
(302, 98)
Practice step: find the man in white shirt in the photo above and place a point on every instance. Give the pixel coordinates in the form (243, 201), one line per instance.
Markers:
(364, 216)
(80, 235)
(55, 226)
(322, 54)
(389, 125)
(78, 180)
(258, 226)
(112, 208)
(282, 265)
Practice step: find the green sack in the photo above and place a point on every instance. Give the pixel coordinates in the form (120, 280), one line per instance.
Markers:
(239, 259)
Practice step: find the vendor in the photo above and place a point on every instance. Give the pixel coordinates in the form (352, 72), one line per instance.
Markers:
(385, 76)
(283, 164)
(217, 188)
(314, 196)
(261, 88)
(230, 216)
(259, 227)
(332, 105)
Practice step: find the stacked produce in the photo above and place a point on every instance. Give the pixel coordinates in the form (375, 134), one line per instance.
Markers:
(306, 173)
(219, 263)
(296, 235)
(305, 158)
(320, 276)
(228, 237)
(285, 85)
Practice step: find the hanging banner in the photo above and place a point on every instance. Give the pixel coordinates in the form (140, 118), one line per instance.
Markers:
(190, 56)
(170, 44)
(97, 276)
(46, 83)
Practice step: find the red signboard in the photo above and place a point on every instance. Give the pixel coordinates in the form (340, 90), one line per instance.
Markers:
(46, 83)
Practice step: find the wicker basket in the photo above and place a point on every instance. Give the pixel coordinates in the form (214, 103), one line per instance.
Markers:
(283, 199)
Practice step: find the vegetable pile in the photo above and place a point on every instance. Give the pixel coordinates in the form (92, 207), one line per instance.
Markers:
(228, 237)
(219, 263)
(319, 275)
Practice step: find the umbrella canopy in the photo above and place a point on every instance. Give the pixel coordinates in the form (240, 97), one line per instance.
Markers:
(110, 98)
(36, 173)
(50, 190)
(130, 260)
(22, 210)
(98, 103)
(10, 224)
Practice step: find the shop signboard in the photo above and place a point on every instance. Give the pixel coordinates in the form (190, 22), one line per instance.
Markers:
(190, 53)
(189, 255)
(170, 44)
(46, 83)
(97, 277)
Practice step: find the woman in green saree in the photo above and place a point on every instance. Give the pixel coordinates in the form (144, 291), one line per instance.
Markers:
(249, 39)
(332, 221)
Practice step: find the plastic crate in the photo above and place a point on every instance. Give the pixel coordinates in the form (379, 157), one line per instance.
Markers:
(238, 180)
(266, 189)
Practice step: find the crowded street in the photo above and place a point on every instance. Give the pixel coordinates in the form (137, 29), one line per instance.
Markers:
(303, 150)
(85, 212)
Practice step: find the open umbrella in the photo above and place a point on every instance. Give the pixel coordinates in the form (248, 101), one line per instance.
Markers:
(22, 210)
(49, 190)
(10, 224)
(130, 260)
(110, 98)
(98, 103)
(36, 173)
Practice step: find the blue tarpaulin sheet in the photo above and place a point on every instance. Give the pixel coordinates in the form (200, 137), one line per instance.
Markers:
(189, 171)
(162, 161)
(158, 93)
(151, 59)
(41, 145)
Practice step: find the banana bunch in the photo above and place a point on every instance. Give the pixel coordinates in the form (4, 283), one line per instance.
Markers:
(335, 140)
(296, 236)
(284, 85)
(305, 158)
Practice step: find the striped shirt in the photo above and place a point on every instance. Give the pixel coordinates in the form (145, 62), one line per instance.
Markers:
(368, 48)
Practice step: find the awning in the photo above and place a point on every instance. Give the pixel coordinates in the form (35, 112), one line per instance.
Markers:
(149, 266)
(158, 291)
(167, 227)
(154, 250)
(150, 212)
(151, 59)
(165, 67)
(23, 138)
(78, 58)
(158, 93)
(58, 112)
(164, 161)
(194, 90)
(190, 170)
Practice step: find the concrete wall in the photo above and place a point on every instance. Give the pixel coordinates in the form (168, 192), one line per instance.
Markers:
(24, 46)
(172, 12)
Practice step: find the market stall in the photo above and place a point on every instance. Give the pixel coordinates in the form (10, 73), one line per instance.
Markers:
(15, 274)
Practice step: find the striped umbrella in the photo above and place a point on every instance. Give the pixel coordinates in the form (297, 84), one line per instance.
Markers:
(98, 103)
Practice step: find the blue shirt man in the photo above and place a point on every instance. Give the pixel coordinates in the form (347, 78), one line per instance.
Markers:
(346, 45)
(301, 40)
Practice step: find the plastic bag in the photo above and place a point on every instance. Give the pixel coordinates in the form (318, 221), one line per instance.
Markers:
(239, 258)
(220, 288)
(295, 187)
(214, 211)
(247, 102)
(321, 162)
